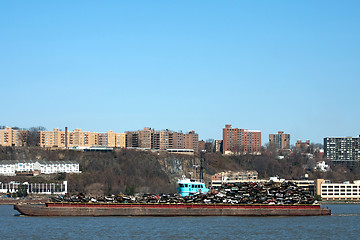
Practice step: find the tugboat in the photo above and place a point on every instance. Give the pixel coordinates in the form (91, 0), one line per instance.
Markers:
(189, 187)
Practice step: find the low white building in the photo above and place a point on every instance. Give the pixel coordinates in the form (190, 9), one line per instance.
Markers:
(233, 177)
(35, 188)
(50, 167)
(338, 191)
(7, 168)
(13, 167)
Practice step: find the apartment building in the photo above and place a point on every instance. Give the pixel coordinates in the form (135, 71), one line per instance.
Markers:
(302, 145)
(13, 137)
(165, 139)
(201, 145)
(280, 140)
(115, 139)
(342, 149)
(218, 145)
(79, 138)
(191, 141)
(140, 139)
(239, 141)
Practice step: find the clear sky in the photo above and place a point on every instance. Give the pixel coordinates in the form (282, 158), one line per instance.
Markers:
(182, 65)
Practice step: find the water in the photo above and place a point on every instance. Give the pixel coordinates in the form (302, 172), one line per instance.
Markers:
(343, 224)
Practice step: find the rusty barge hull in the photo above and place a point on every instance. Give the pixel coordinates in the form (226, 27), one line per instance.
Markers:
(168, 210)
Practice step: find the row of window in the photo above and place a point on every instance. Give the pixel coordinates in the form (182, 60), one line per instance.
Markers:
(336, 194)
(191, 185)
(354, 186)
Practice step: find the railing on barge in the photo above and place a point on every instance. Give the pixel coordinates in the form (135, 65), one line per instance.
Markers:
(182, 205)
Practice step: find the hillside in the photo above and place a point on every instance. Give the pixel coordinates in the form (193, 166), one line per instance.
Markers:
(138, 171)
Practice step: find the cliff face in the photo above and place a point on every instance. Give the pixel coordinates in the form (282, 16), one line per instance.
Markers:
(114, 172)
(157, 172)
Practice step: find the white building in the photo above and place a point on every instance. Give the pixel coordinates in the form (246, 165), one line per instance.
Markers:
(35, 188)
(233, 177)
(13, 167)
(338, 191)
(7, 168)
(322, 166)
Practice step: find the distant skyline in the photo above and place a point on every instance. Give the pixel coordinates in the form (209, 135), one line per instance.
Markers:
(272, 66)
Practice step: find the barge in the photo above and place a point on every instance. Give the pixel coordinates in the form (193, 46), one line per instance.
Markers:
(168, 209)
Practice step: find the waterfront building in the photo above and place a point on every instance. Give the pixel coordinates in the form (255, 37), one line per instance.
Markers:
(280, 140)
(239, 141)
(13, 137)
(306, 184)
(342, 149)
(35, 188)
(338, 191)
(233, 177)
(15, 167)
(181, 151)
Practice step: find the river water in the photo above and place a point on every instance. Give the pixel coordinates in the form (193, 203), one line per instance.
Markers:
(343, 224)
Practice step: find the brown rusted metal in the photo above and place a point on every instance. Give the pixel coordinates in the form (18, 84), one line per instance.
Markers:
(88, 209)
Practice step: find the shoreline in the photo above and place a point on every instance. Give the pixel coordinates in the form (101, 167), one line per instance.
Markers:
(27, 201)
(44, 200)
(338, 202)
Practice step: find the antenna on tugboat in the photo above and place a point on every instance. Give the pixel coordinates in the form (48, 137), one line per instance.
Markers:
(202, 157)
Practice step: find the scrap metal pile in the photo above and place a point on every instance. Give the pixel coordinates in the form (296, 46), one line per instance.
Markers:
(230, 193)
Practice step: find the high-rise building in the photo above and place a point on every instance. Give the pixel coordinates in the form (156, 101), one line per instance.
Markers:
(201, 145)
(239, 141)
(342, 149)
(13, 137)
(218, 145)
(280, 140)
(191, 141)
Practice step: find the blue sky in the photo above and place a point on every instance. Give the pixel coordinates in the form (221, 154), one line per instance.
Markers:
(182, 65)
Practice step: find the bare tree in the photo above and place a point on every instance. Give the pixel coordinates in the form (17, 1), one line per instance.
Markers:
(33, 138)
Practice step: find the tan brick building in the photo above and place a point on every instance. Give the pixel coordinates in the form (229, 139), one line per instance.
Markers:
(239, 141)
(55, 138)
(79, 138)
(201, 145)
(13, 137)
(165, 139)
(281, 140)
(115, 139)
